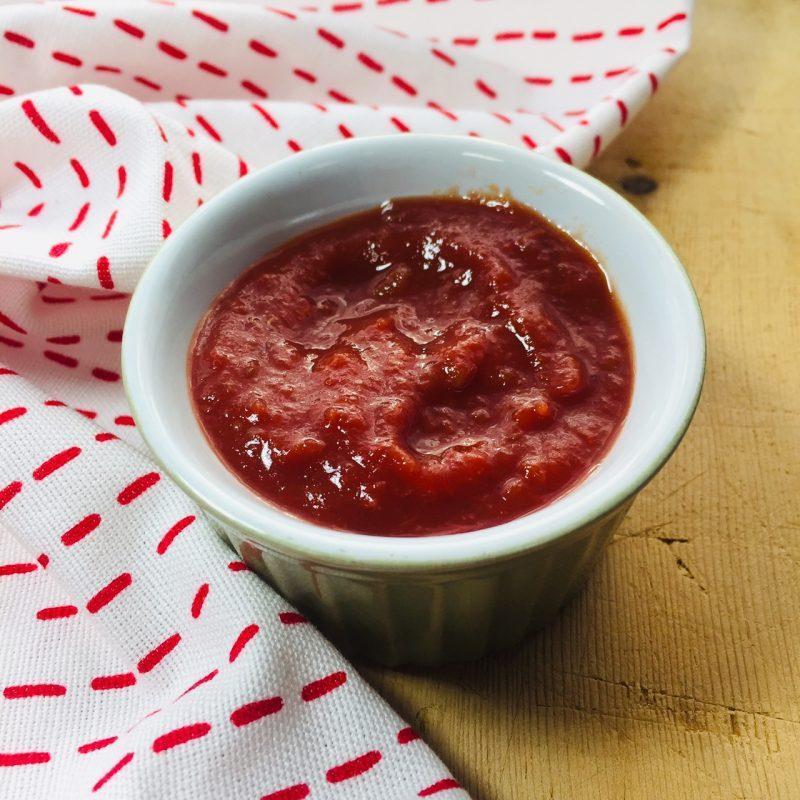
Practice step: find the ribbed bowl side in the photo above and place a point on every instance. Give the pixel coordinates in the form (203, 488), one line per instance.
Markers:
(435, 617)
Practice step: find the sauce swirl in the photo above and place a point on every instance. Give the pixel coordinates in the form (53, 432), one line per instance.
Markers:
(431, 366)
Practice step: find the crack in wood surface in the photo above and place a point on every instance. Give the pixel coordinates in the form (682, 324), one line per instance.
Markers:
(647, 691)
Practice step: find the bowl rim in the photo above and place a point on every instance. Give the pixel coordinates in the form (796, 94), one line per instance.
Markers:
(351, 551)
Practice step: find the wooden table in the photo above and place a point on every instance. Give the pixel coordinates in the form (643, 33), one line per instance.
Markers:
(676, 674)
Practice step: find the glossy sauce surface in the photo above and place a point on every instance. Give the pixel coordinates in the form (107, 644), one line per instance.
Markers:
(432, 366)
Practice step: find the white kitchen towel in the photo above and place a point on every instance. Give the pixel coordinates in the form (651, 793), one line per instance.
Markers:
(139, 658)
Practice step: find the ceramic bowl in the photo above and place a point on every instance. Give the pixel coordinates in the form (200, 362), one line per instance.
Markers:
(431, 599)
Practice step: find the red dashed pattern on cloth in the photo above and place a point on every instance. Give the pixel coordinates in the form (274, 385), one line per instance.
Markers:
(141, 658)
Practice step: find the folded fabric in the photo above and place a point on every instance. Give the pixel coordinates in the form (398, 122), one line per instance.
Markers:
(139, 657)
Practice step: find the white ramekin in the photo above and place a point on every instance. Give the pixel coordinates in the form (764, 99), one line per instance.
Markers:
(441, 598)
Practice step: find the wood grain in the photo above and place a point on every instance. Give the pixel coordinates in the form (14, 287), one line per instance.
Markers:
(676, 674)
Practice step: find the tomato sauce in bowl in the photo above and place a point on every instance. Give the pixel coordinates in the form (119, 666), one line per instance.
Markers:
(432, 366)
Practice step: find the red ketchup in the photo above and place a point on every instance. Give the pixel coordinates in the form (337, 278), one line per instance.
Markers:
(432, 366)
